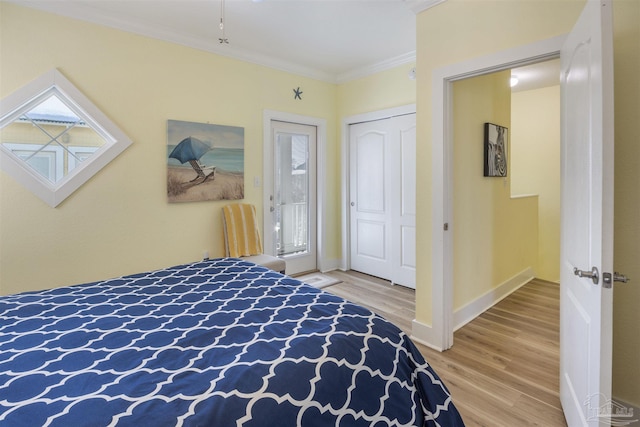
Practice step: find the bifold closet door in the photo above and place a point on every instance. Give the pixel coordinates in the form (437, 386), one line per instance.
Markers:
(382, 198)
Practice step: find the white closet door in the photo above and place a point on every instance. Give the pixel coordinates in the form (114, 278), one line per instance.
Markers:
(370, 166)
(382, 190)
(403, 234)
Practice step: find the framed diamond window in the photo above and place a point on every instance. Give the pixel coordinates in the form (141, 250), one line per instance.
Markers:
(53, 138)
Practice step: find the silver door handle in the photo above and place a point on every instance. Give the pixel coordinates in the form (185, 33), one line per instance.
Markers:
(617, 277)
(608, 279)
(593, 274)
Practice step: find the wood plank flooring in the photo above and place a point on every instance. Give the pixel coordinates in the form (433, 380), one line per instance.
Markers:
(503, 367)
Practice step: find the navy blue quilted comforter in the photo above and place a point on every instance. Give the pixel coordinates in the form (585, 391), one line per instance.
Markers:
(214, 343)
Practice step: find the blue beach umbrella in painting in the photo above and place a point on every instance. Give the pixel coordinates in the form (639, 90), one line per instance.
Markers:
(190, 150)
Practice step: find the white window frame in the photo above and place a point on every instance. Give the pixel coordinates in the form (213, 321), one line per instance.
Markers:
(12, 106)
(54, 155)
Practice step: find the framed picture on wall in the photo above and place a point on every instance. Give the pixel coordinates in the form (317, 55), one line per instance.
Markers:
(204, 162)
(495, 150)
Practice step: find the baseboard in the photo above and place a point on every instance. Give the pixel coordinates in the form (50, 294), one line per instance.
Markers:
(327, 265)
(425, 335)
(470, 311)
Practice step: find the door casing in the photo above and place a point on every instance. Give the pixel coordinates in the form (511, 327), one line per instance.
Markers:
(439, 335)
(267, 176)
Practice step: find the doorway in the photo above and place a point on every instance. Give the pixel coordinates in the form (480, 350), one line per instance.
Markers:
(294, 150)
(440, 334)
(294, 195)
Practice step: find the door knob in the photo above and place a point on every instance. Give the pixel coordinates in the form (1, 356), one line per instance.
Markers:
(617, 277)
(593, 274)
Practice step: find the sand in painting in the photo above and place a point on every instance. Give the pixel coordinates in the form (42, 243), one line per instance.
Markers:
(222, 185)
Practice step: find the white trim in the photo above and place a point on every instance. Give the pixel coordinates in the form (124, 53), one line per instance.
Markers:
(267, 179)
(344, 175)
(31, 94)
(54, 155)
(407, 58)
(425, 335)
(88, 13)
(329, 265)
(475, 308)
(441, 136)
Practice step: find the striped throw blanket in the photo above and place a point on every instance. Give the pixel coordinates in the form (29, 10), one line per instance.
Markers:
(242, 237)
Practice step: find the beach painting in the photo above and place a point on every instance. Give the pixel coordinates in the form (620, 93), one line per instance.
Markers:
(204, 162)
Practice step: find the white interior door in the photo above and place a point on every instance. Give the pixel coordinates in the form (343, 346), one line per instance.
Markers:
(403, 228)
(293, 199)
(383, 192)
(587, 217)
(370, 214)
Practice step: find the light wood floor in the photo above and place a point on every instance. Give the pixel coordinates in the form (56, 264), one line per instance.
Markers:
(503, 367)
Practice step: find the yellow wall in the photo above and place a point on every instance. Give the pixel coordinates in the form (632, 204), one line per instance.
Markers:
(626, 297)
(388, 89)
(535, 167)
(119, 222)
(495, 237)
(458, 30)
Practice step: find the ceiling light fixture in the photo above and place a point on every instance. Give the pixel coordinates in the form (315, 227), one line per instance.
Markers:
(223, 39)
(513, 81)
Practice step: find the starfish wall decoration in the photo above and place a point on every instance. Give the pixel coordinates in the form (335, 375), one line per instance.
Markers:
(297, 93)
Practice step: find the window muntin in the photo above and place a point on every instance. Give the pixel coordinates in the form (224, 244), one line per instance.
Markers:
(53, 139)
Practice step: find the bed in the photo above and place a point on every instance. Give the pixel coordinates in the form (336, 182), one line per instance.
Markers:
(220, 342)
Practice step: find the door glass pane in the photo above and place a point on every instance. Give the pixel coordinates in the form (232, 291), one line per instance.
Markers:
(292, 194)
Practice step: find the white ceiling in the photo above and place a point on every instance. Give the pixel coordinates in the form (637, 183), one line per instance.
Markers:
(536, 76)
(331, 40)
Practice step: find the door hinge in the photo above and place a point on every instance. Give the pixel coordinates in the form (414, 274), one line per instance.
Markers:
(446, 226)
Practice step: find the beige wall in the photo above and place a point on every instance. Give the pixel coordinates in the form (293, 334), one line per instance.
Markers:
(119, 222)
(535, 167)
(495, 236)
(626, 297)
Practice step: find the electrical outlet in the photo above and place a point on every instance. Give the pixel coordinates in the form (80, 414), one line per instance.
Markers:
(205, 255)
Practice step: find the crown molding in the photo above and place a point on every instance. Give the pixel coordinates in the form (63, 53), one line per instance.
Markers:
(418, 6)
(83, 12)
(388, 64)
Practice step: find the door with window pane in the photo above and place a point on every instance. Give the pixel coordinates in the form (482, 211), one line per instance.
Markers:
(293, 197)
